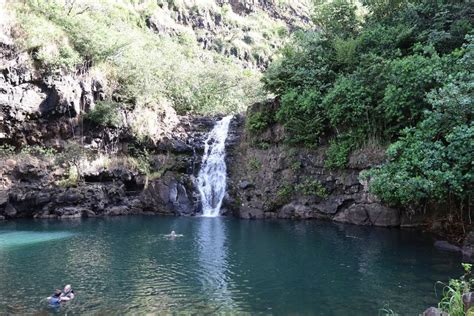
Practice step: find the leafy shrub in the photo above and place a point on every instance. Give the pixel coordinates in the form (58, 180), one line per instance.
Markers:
(303, 117)
(105, 113)
(258, 121)
(296, 165)
(306, 62)
(451, 302)
(70, 179)
(409, 79)
(433, 161)
(140, 158)
(284, 194)
(371, 79)
(311, 187)
(7, 150)
(254, 164)
(337, 17)
(282, 31)
(261, 144)
(338, 152)
(348, 104)
(71, 156)
(38, 151)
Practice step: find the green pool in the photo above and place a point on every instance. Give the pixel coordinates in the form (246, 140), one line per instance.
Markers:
(127, 266)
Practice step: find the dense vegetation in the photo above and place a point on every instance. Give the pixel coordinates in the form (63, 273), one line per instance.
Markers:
(452, 293)
(141, 69)
(397, 73)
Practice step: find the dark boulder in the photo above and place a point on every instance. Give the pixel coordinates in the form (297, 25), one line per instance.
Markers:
(369, 214)
(250, 213)
(3, 197)
(117, 210)
(72, 196)
(10, 211)
(70, 212)
(355, 214)
(468, 247)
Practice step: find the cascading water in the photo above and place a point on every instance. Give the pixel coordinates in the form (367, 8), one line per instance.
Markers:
(212, 176)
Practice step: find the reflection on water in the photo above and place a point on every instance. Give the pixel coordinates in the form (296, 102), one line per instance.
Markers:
(21, 238)
(212, 250)
(126, 266)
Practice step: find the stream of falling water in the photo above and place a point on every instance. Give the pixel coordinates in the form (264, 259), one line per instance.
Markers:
(212, 176)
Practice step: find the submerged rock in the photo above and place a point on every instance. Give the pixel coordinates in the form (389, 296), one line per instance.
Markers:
(446, 246)
(433, 311)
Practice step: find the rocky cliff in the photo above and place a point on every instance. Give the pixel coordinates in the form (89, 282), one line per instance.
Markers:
(269, 179)
(249, 31)
(42, 120)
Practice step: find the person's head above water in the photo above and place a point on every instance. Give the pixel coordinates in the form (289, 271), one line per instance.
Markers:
(173, 232)
(57, 293)
(67, 288)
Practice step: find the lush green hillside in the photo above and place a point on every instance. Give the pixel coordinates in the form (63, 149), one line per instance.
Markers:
(151, 53)
(380, 73)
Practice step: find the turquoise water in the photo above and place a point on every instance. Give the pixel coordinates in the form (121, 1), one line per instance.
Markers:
(127, 266)
(20, 238)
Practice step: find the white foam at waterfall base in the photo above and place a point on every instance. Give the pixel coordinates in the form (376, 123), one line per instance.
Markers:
(212, 177)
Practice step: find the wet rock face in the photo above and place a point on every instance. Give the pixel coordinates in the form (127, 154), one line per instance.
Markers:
(268, 179)
(29, 186)
(170, 196)
(42, 198)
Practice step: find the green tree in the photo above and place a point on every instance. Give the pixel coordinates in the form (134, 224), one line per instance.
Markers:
(337, 18)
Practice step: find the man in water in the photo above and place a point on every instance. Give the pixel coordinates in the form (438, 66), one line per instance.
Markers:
(68, 293)
(173, 235)
(55, 299)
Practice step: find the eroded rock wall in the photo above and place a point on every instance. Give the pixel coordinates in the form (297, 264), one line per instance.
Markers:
(33, 186)
(269, 179)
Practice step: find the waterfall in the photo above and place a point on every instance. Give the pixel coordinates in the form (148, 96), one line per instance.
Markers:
(212, 176)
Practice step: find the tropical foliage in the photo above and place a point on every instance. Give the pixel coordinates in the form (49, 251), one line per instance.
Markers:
(398, 72)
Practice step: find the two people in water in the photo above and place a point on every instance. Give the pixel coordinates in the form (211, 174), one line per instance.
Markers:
(61, 296)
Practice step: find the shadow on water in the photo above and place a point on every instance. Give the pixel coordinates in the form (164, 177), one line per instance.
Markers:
(125, 265)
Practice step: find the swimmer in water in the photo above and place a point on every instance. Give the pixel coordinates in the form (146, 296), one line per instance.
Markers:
(173, 235)
(68, 293)
(55, 299)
